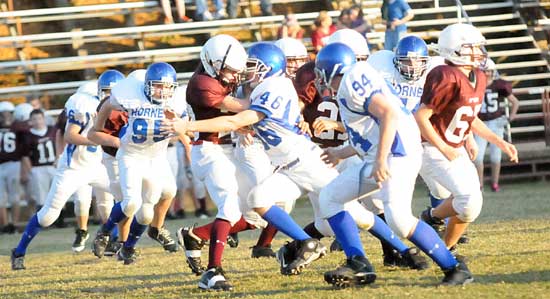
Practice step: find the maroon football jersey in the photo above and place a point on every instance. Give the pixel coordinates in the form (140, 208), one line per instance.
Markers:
(11, 146)
(203, 94)
(40, 149)
(113, 126)
(455, 103)
(495, 95)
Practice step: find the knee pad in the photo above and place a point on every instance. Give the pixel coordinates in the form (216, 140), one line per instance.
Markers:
(400, 222)
(130, 207)
(256, 200)
(363, 217)
(468, 207)
(169, 192)
(145, 214)
(47, 216)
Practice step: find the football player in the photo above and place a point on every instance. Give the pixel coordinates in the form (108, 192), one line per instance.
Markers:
(79, 167)
(273, 113)
(385, 135)
(452, 97)
(493, 115)
(144, 172)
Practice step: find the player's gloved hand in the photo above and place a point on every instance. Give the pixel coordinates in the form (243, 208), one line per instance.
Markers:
(321, 125)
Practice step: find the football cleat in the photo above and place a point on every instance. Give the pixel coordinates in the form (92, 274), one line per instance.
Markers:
(459, 275)
(356, 271)
(100, 243)
(80, 240)
(162, 236)
(335, 246)
(286, 254)
(261, 251)
(127, 254)
(202, 214)
(233, 240)
(214, 280)
(191, 245)
(112, 248)
(17, 262)
(307, 252)
(464, 239)
(437, 224)
(413, 259)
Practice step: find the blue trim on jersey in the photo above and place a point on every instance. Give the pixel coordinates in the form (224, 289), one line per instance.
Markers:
(261, 109)
(71, 148)
(397, 147)
(343, 102)
(368, 100)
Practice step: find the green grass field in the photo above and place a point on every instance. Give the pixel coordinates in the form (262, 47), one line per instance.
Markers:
(509, 255)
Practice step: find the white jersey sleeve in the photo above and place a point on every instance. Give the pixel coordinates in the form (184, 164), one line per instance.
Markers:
(276, 98)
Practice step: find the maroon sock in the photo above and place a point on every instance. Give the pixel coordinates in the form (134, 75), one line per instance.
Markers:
(202, 204)
(267, 235)
(240, 226)
(204, 231)
(218, 238)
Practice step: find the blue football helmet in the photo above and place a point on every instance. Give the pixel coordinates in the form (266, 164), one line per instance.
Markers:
(411, 57)
(106, 81)
(160, 82)
(332, 60)
(264, 60)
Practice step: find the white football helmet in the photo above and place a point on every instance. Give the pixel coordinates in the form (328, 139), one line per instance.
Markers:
(295, 53)
(490, 69)
(6, 106)
(223, 52)
(458, 42)
(382, 61)
(89, 88)
(354, 40)
(22, 112)
(138, 74)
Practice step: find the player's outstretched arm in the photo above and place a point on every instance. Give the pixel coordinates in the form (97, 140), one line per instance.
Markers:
(479, 128)
(233, 104)
(72, 135)
(422, 117)
(217, 124)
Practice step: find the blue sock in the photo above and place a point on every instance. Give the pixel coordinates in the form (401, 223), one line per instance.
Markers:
(136, 230)
(283, 222)
(114, 233)
(32, 229)
(347, 234)
(435, 201)
(115, 217)
(384, 233)
(429, 241)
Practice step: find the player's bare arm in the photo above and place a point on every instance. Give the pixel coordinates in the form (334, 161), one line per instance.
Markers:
(422, 117)
(103, 138)
(25, 169)
(218, 124)
(471, 146)
(484, 132)
(381, 109)
(321, 125)
(514, 106)
(333, 156)
(233, 104)
(102, 116)
(72, 136)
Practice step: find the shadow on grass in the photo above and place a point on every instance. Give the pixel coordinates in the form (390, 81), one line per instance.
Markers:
(519, 277)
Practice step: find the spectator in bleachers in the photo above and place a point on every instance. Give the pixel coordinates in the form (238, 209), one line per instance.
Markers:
(290, 28)
(395, 14)
(167, 9)
(203, 14)
(357, 20)
(233, 8)
(322, 29)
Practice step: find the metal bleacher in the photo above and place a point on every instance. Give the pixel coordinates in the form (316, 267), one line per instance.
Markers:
(508, 42)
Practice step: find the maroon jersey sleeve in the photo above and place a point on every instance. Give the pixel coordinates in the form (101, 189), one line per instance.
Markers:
(61, 121)
(203, 94)
(304, 83)
(455, 102)
(113, 125)
(326, 108)
(495, 95)
(439, 89)
(504, 88)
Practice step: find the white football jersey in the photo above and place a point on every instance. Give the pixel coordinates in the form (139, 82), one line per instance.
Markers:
(81, 110)
(357, 87)
(409, 92)
(276, 98)
(143, 135)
